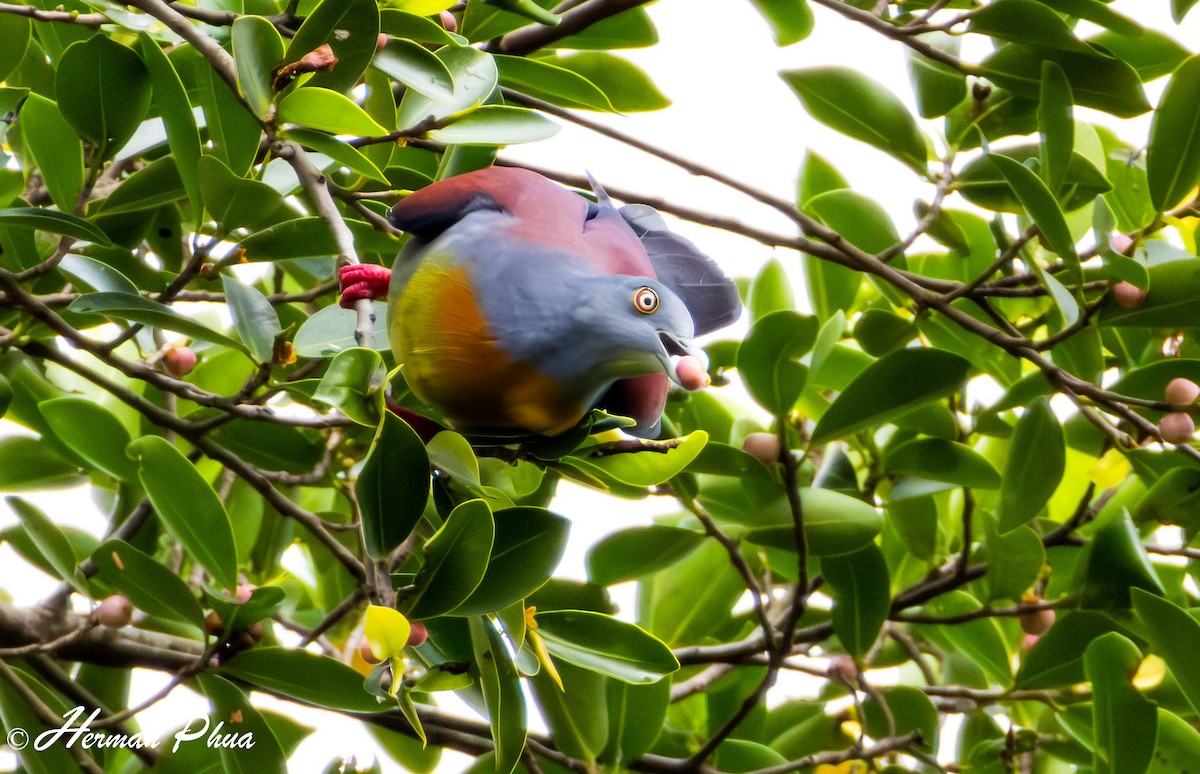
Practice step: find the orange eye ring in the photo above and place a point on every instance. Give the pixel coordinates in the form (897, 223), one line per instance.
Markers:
(645, 300)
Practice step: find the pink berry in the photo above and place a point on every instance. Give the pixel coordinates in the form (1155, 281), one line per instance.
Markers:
(366, 654)
(114, 612)
(842, 669)
(243, 592)
(1182, 392)
(1128, 296)
(763, 447)
(1120, 243)
(448, 21)
(179, 360)
(691, 374)
(1176, 427)
(417, 634)
(1036, 622)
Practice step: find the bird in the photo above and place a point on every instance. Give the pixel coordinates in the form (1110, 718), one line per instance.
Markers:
(518, 305)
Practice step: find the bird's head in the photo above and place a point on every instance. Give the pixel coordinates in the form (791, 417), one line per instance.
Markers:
(636, 325)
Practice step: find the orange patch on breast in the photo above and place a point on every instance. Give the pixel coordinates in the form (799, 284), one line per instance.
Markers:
(452, 362)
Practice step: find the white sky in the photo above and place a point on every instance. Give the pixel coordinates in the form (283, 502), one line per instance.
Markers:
(717, 61)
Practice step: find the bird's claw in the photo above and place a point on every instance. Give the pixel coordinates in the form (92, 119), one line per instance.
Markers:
(362, 280)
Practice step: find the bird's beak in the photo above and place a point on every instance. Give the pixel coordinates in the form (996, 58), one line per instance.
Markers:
(673, 346)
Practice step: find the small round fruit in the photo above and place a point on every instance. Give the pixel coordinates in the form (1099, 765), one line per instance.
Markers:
(179, 360)
(366, 654)
(691, 374)
(1120, 243)
(1176, 427)
(417, 634)
(244, 591)
(1128, 296)
(1036, 622)
(448, 21)
(213, 623)
(763, 447)
(1182, 392)
(114, 612)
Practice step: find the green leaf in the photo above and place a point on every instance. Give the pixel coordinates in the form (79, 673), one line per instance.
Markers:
(528, 545)
(1152, 54)
(41, 219)
(1015, 561)
(636, 715)
(790, 20)
(329, 111)
(49, 541)
(310, 238)
(891, 386)
(92, 432)
(496, 125)
(1056, 123)
(151, 187)
(879, 332)
(124, 306)
(15, 32)
(862, 221)
(1173, 155)
(233, 130)
(229, 702)
(413, 26)
(1099, 13)
(1035, 465)
(1173, 296)
(257, 52)
(103, 90)
(353, 384)
(577, 713)
(253, 317)
(235, 202)
(171, 99)
(767, 359)
(1125, 722)
(1039, 202)
(475, 77)
(1056, 659)
(816, 177)
(637, 551)
(937, 86)
(325, 682)
(417, 68)
(331, 331)
(548, 81)
(979, 639)
(858, 107)
(834, 523)
(627, 87)
(27, 464)
(606, 645)
(862, 598)
(770, 291)
(502, 695)
(453, 567)
(15, 712)
(342, 153)
(150, 586)
(1173, 635)
(1176, 745)
(1097, 80)
(55, 148)
(1179, 9)
(982, 182)
(1115, 564)
(910, 710)
(644, 468)
(935, 459)
(188, 507)
(1024, 21)
(351, 28)
(392, 486)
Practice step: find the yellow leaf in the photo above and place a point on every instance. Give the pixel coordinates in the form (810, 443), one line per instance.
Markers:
(386, 631)
(422, 7)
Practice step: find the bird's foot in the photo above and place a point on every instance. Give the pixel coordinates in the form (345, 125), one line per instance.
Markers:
(363, 280)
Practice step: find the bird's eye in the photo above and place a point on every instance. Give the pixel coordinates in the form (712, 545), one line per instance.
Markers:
(645, 300)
